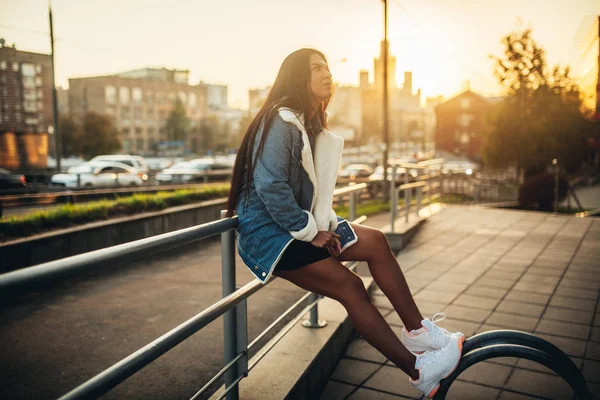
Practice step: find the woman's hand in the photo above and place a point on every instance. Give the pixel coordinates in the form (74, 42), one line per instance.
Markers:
(329, 241)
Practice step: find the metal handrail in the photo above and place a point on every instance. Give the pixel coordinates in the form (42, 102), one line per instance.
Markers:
(51, 271)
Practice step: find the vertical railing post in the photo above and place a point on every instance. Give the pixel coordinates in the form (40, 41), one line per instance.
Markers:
(556, 171)
(313, 321)
(407, 197)
(419, 193)
(229, 318)
(393, 198)
(352, 211)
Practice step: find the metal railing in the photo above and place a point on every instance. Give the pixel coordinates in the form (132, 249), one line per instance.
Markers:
(428, 182)
(232, 306)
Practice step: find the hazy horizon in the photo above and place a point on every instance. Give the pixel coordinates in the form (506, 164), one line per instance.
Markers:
(444, 42)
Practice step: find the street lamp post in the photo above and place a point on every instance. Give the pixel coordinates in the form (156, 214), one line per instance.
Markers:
(386, 138)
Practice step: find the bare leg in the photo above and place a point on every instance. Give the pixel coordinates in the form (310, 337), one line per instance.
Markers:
(330, 278)
(373, 247)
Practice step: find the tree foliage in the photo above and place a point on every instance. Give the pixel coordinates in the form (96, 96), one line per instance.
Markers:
(101, 136)
(71, 136)
(177, 124)
(539, 119)
(96, 134)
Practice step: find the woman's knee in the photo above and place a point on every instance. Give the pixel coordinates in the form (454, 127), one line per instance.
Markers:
(353, 290)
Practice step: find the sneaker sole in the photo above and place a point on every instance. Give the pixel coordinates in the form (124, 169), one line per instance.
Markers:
(423, 350)
(435, 389)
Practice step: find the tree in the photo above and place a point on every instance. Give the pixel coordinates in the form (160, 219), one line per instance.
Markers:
(71, 136)
(539, 119)
(100, 135)
(177, 124)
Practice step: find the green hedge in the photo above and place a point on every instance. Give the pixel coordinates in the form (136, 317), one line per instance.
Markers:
(74, 214)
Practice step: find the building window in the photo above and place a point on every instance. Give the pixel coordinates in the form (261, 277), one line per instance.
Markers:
(124, 95)
(40, 94)
(193, 102)
(125, 131)
(140, 144)
(2, 64)
(138, 131)
(28, 70)
(38, 68)
(15, 66)
(465, 104)
(183, 97)
(125, 111)
(136, 94)
(149, 97)
(38, 81)
(124, 122)
(40, 106)
(110, 95)
(151, 131)
(150, 122)
(31, 121)
(110, 111)
(137, 113)
(18, 116)
(138, 122)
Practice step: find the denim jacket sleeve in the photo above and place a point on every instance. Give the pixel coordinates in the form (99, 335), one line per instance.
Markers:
(271, 176)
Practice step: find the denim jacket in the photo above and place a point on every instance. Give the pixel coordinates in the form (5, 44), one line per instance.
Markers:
(290, 195)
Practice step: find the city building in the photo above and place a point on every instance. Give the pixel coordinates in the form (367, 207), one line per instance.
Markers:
(460, 124)
(26, 113)
(256, 99)
(140, 101)
(346, 113)
(588, 40)
(62, 97)
(406, 117)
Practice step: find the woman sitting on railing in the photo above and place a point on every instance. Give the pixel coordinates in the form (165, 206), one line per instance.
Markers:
(287, 227)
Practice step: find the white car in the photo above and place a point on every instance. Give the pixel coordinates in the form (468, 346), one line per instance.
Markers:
(95, 174)
(136, 162)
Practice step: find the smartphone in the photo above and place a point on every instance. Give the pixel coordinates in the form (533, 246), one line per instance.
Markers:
(347, 235)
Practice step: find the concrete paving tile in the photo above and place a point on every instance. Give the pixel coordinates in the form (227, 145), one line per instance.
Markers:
(596, 333)
(470, 391)
(353, 371)
(511, 276)
(574, 316)
(588, 284)
(361, 349)
(495, 283)
(541, 271)
(512, 321)
(573, 347)
(466, 313)
(531, 365)
(595, 389)
(336, 391)
(505, 395)
(573, 303)
(563, 329)
(539, 384)
(447, 287)
(527, 297)
(435, 296)
(392, 380)
(579, 292)
(543, 288)
(487, 373)
(535, 278)
(516, 307)
(368, 394)
(479, 290)
(591, 370)
(479, 302)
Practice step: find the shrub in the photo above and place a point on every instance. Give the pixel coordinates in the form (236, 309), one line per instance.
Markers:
(538, 191)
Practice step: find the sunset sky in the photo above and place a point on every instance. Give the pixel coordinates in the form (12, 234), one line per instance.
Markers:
(241, 43)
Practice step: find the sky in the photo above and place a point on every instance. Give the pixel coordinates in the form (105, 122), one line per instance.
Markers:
(241, 43)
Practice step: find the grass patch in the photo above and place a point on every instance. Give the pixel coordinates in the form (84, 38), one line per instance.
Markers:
(365, 208)
(75, 214)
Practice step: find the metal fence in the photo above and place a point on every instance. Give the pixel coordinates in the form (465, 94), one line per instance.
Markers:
(232, 306)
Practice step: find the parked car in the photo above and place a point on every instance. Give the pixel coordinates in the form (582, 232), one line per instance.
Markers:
(198, 170)
(377, 175)
(136, 162)
(353, 171)
(95, 174)
(12, 182)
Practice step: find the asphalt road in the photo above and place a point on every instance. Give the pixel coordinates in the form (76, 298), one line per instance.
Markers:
(53, 340)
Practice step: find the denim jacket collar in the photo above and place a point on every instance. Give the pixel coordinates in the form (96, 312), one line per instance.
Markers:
(322, 172)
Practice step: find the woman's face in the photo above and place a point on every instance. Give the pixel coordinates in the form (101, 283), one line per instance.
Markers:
(320, 78)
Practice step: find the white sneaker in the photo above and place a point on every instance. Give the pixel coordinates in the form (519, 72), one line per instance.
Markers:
(429, 337)
(436, 365)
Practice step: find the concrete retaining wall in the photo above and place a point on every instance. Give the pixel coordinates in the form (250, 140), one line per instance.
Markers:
(54, 245)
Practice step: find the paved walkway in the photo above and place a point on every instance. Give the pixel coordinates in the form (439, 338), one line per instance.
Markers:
(493, 269)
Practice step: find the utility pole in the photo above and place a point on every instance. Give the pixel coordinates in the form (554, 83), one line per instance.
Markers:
(386, 137)
(54, 100)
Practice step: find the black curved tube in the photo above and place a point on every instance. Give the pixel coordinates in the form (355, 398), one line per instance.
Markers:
(572, 376)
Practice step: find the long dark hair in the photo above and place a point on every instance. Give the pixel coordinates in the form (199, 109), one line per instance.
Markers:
(292, 90)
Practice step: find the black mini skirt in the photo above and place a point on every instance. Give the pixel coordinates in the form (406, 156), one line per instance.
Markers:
(300, 253)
